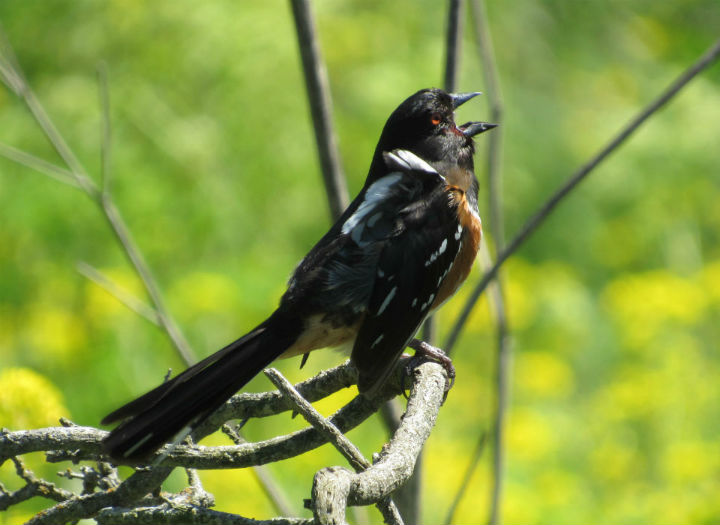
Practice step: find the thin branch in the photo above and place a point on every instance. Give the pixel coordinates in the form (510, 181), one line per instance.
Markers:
(484, 46)
(36, 163)
(184, 515)
(106, 129)
(539, 217)
(318, 91)
(335, 488)
(34, 487)
(200, 497)
(483, 43)
(133, 303)
(86, 443)
(11, 74)
(452, 45)
(124, 237)
(264, 477)
(346, 447)
(469, 471)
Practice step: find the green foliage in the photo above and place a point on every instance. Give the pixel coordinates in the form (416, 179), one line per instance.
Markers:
(614, 303)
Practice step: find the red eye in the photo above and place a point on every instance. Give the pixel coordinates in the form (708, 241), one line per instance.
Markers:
(435, 119)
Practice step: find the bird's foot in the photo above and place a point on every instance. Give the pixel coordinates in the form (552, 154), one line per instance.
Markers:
(424, 352)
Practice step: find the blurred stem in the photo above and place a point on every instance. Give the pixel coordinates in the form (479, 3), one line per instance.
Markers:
(36, 163)
(129, 300)
(13, 77)
(105, 128)
(452, 45)
(702, 63)
(11, 74)
(469, 471)
(318, 92)
(483, 40)
(263, 476)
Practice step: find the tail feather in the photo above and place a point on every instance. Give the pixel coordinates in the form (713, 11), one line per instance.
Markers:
(193, 395)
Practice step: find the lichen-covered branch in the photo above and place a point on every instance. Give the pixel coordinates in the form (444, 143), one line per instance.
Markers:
(135, 499)
(346, 447)
(184, 515)
(335, 488)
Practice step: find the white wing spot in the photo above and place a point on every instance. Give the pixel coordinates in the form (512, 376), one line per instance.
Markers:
(414, 303)
(377, 341)
(458, 234)
(443, 247)
(376, 193)
(381, 273)
(387, 300)
(434, 255)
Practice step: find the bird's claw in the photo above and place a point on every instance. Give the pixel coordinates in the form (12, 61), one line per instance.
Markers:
(425, 352)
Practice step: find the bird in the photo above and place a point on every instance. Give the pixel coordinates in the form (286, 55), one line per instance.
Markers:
(402, 248)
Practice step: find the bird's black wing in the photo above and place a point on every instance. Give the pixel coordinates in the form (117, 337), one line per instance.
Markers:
(414, 229)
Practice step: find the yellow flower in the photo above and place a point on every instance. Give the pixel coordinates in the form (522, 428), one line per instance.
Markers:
(686, 461)
(642, 304)
(543, 374)
(529, 435)
(54, 333)
(29, 400)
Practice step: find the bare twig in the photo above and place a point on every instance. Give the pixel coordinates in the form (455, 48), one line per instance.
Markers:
(85, 506)
(335, 436)
(86, 444)
(38, 164)
(133, 303)
(538, 217)
(33, 487)
(334, 488)
(476, 455)
(263, 475)
(184, 515)
(199, 496)
(11, 74)
(106, 129)
(318, 91)
(483, 41)
(452, 45)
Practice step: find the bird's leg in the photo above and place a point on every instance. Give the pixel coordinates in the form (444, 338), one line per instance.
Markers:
(432, 353)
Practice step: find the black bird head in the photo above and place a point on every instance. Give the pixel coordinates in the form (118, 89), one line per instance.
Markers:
(424, 124)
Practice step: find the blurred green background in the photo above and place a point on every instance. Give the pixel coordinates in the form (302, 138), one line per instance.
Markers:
(614, 304)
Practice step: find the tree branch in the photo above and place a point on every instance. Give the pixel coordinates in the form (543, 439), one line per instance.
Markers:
(318, 92)
(336, 437)
(335, 488)
(184, 515)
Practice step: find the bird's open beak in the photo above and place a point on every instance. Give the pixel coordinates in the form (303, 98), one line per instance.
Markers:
(470, 129)
(459, 99)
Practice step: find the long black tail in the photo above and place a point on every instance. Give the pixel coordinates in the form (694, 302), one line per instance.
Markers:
(193, 395)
